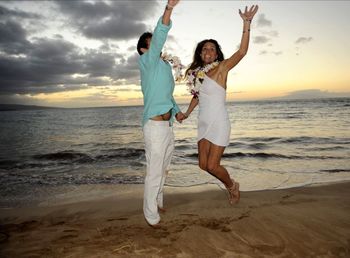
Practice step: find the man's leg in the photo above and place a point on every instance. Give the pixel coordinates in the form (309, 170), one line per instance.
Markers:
(155, 134)
(167, 159)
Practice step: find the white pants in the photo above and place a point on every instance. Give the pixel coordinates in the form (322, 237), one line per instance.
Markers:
(159, 146)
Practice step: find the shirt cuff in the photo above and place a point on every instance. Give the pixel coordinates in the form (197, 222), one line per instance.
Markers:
(163, 26)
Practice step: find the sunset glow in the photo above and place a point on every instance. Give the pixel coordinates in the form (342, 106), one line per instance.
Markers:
(53, 54)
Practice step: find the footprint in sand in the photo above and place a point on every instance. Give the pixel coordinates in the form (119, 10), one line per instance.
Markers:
(3, 237)
(117, 219)
(189, 214)
(67, 237)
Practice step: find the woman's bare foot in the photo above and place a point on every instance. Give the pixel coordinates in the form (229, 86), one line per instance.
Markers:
(233, 191)
(237, 193)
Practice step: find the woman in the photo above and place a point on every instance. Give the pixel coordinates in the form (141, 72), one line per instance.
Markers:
(207, 77)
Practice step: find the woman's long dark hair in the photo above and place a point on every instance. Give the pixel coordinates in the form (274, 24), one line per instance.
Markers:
(197, 60)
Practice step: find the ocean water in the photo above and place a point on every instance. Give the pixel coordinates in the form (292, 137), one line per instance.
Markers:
(274, 144)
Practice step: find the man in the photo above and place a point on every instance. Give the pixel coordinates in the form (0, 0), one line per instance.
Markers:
(157, 85)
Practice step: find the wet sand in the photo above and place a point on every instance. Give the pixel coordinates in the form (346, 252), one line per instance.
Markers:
(199, 222)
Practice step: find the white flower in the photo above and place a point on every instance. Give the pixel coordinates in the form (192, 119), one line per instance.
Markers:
(176, 64)
(195, 77)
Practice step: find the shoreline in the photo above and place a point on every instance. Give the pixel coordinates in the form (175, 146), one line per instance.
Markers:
(60, 195)
(300, 222)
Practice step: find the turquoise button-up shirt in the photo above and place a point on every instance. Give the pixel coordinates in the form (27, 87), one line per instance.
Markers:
(157, 81)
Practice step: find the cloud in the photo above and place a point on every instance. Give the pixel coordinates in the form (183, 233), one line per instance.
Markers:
(13, 38)
(118, 20)
(265, 52)
(127, 72)
(43, 64)
(261, 39)
(32, 65)
(6, 13)
(272, 33)
(263, 22)
(267, 36)
(49, 65)
(277, 53)
(303, 40)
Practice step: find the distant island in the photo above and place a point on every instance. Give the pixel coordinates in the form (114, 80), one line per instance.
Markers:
(14, 107)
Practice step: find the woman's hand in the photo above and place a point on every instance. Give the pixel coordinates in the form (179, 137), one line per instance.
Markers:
(248, 15)
(180, 117)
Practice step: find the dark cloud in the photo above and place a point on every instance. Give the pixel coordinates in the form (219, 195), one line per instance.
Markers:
(6, 13)
(13, 38)
(98, 64)
(52, 64)
(272, 33)
(266, 36)
(260, 39)
(49, 64)
(43, 67)
(265, 52)
(263, 22)
(303, 40)
(128, 69)
(119, 20)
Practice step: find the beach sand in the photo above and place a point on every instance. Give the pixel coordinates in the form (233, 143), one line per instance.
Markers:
(199, 222)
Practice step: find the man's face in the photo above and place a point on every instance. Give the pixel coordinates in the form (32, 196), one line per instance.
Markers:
(148, 41)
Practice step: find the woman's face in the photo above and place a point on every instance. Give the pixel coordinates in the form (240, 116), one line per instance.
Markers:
(208, 53)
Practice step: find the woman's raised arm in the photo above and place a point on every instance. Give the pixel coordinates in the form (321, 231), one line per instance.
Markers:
(247, 17)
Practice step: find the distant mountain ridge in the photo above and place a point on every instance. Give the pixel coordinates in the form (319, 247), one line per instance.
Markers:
(14, 107)
(312, 94)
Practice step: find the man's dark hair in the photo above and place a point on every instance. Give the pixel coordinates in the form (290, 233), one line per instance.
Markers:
(142, 43)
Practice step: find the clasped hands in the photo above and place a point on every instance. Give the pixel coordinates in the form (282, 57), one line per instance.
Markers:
(180, 117)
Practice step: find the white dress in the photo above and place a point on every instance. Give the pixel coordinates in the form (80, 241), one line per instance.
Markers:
(213, 121)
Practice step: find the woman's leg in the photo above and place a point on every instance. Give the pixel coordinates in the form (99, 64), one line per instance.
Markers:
(209, 160)
(203, 152)
(214, 167)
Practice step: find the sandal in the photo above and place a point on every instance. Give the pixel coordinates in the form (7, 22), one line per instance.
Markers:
(234, 194)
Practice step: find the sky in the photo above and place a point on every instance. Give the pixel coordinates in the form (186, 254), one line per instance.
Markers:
(83, 53)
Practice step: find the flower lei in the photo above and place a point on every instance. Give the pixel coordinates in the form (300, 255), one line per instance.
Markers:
(176, 63)
(195, 78)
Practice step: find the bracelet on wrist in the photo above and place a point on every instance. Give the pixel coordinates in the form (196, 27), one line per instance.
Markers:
(248, 20)
(169, 7)
(246, 31)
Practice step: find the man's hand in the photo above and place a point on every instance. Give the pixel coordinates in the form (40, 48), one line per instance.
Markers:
(180, 117)
(172, 3)
(168, 10)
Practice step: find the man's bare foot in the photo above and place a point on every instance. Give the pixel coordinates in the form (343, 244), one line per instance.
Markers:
(161, 209)
(155, 226)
